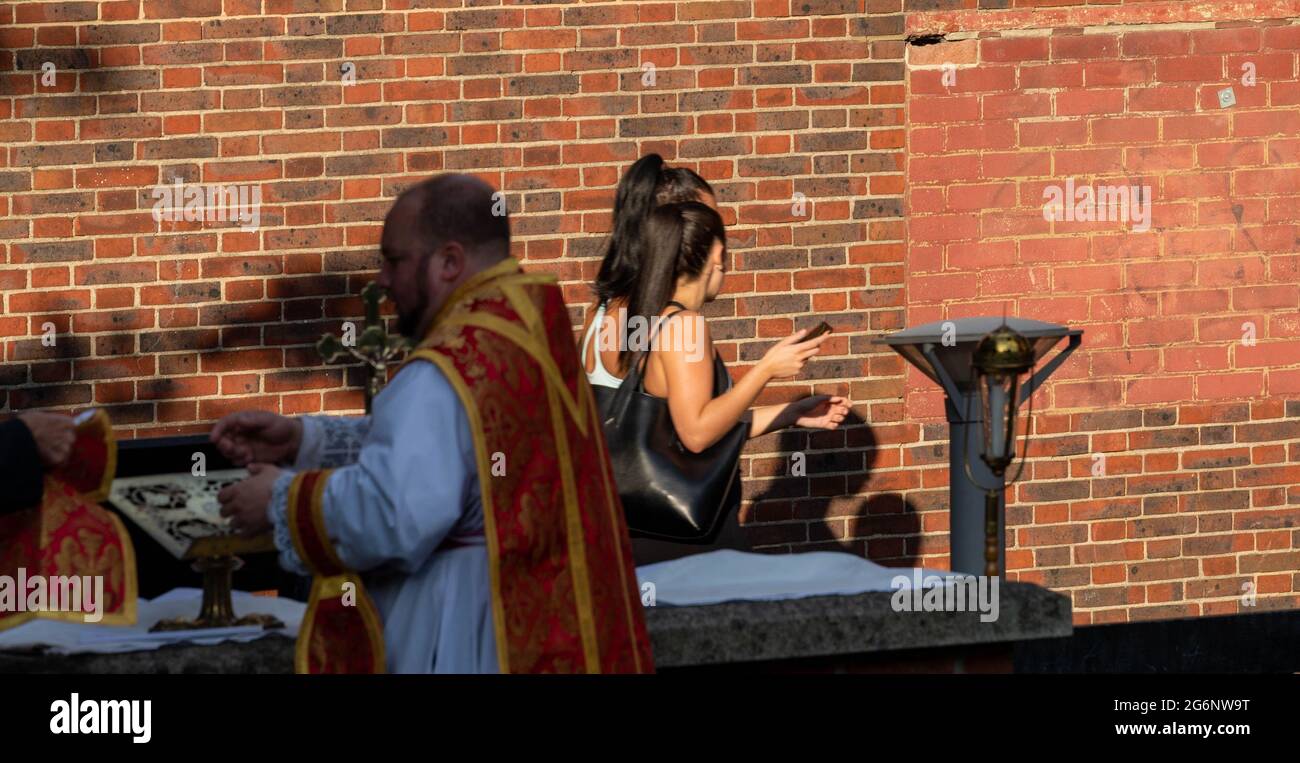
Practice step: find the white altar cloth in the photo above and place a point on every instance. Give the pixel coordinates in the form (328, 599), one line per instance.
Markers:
(83, 638)
(728, 575)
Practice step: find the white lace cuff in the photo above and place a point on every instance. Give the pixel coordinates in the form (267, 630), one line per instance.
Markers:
(329, 442)
(279, 514)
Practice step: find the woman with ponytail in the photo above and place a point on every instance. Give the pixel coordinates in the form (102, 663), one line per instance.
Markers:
(647, 184)
(681, 268)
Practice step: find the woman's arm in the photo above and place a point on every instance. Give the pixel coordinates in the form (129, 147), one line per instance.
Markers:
(685, 357)
(770, 418)
(814, 412)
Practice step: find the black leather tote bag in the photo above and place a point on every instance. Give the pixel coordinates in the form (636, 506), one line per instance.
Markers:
(668, 492)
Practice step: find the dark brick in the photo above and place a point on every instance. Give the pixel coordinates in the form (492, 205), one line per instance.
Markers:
(542, 84)
(56, 251)
(119, 34)
(178, 339)
(413, 137)
(364, 23)
(62, 58)
(776, 75)
(872, 208)
(49, 396)
(481, 65)
(118, 80)
(15, 181)
(877, 26)
(179, 148)
(878, 71)
(53, 155)
(1104, 420)
(65, 347)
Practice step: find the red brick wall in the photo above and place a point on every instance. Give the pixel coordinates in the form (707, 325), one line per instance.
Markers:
(1198, 426)
(171, 325)
(174, 324)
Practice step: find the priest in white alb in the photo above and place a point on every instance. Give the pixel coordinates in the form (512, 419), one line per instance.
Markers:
(471, 523)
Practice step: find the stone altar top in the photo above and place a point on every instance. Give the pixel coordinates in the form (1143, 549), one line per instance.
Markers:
(822, 626)
(708, 635)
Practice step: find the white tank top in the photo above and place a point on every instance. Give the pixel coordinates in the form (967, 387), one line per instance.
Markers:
(598, 377)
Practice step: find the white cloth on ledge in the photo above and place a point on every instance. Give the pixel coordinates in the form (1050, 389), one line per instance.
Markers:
(59, 637)
(708, 578)
(728, 575)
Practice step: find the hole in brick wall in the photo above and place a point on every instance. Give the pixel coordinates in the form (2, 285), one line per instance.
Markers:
(925, 39)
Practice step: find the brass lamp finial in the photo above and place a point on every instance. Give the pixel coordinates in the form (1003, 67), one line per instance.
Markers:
(1004, 349)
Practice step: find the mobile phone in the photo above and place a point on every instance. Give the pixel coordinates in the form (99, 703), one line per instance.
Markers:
(820, 329)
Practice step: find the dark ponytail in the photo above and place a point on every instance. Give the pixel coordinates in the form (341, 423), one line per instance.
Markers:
(678, 184)
(633, 202)
(679, 238)
(648, 183)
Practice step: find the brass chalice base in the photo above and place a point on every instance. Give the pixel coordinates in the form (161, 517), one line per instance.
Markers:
(217, 611)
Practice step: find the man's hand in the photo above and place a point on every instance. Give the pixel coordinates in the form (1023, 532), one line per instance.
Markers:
(258, 436)
(821, 411)
(54, 434)
(247, 501)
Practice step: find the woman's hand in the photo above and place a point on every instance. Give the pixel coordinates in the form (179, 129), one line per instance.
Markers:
(787, 357)
(820, 411)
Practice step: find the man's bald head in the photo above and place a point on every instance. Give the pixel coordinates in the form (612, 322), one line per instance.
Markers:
(438, 234)
(459, 208)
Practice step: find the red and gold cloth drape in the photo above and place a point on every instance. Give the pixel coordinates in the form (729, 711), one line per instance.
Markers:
(341, 631)
(70, 535)
(564, 588)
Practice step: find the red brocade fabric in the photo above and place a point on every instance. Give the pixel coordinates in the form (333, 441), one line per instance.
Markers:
(70, 535)
(564, 584)
(342, 638)
(341, 631)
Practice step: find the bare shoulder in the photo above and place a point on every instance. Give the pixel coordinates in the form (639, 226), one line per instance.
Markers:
(685, 332)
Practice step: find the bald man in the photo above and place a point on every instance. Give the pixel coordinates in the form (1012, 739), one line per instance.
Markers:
(470, 524)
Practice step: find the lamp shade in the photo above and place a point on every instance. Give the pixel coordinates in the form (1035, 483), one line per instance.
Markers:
(999, 359)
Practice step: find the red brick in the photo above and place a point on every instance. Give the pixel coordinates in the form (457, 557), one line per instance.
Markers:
(1157, 43)
(1117, 73)
(1225, 40)
(1074, 103)
(1008, 49)
(1051, 76)
(1190, 69)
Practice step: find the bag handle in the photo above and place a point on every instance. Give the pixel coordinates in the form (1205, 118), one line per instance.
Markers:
(635, 381)
(644, 358)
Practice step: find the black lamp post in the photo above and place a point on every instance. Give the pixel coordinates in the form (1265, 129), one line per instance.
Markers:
(978, 362)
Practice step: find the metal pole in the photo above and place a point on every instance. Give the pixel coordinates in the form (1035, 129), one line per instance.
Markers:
(967, 536)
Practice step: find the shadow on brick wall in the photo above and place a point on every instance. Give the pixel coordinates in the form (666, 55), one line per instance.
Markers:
(832, 508)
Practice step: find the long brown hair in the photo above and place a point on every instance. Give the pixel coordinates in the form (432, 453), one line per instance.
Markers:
(648, 183)
(679, 238)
